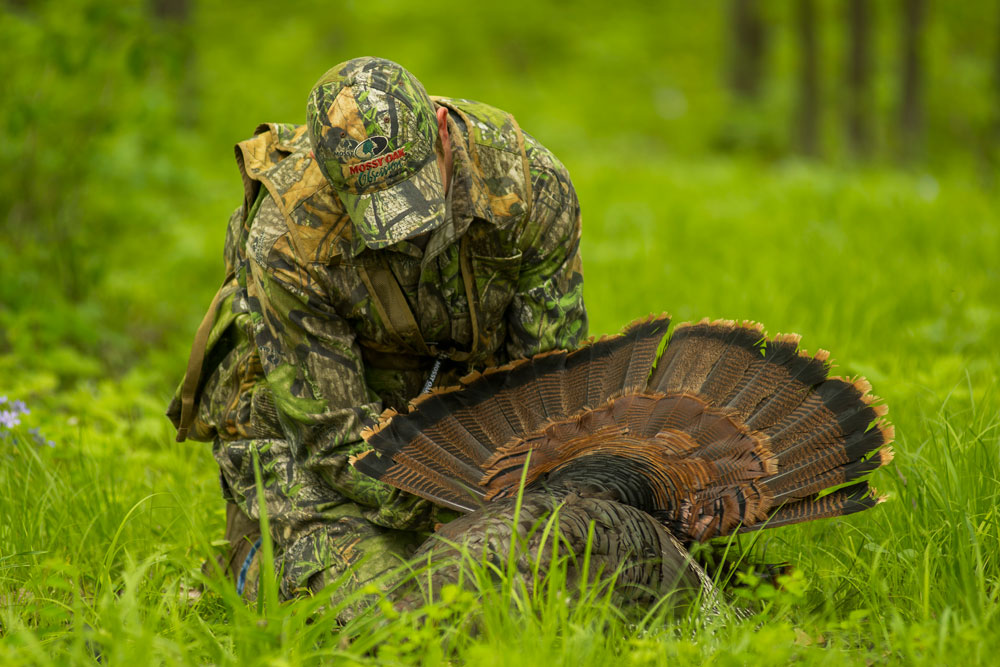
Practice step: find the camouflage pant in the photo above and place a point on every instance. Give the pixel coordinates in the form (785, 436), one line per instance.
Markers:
(325, 524)
(358, 552)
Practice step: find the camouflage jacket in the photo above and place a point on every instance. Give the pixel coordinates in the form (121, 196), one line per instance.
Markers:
(301, 346)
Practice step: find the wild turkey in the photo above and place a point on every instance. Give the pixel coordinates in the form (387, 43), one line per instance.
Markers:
(725, 431)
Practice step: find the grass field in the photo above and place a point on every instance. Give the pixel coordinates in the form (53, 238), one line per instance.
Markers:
(106, 521)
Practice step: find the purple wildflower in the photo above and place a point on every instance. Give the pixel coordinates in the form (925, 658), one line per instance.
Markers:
(39, 439)
(9, 419)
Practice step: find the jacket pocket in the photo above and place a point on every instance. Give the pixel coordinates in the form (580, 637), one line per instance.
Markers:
(495, 280)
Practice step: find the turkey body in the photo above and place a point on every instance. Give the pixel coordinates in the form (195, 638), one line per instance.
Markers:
(597, 537)
(634, 454)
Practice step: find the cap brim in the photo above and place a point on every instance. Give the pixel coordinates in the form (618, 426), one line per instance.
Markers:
(399, 212)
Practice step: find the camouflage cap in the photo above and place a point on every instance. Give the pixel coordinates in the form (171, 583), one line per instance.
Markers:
(373, 128)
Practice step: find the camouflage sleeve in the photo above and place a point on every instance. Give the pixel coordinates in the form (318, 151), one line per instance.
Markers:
(547, 311)
(312, 365)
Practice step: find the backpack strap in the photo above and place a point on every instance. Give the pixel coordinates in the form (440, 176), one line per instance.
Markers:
(193, 375)
(392, 307)
(469, 280)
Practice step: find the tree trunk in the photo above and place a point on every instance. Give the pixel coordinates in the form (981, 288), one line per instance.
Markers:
(991, 149)
(808, 121)
(175, 10)
(858, 109)
(911, 117)
(174, 17)
(747, 52)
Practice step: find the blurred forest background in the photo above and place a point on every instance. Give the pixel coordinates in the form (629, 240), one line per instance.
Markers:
(119, 118)
(823, 166)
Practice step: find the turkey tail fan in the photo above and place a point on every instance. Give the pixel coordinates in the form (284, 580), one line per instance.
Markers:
(729, 430)
(440, 449)
(821, 432)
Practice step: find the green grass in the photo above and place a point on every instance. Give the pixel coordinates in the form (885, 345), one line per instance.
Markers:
(103, 535)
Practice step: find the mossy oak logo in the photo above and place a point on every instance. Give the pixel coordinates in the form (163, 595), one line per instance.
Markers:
(378, 168)
(371, 147)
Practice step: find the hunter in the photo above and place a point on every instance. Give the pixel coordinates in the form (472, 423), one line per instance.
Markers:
(392, 244)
